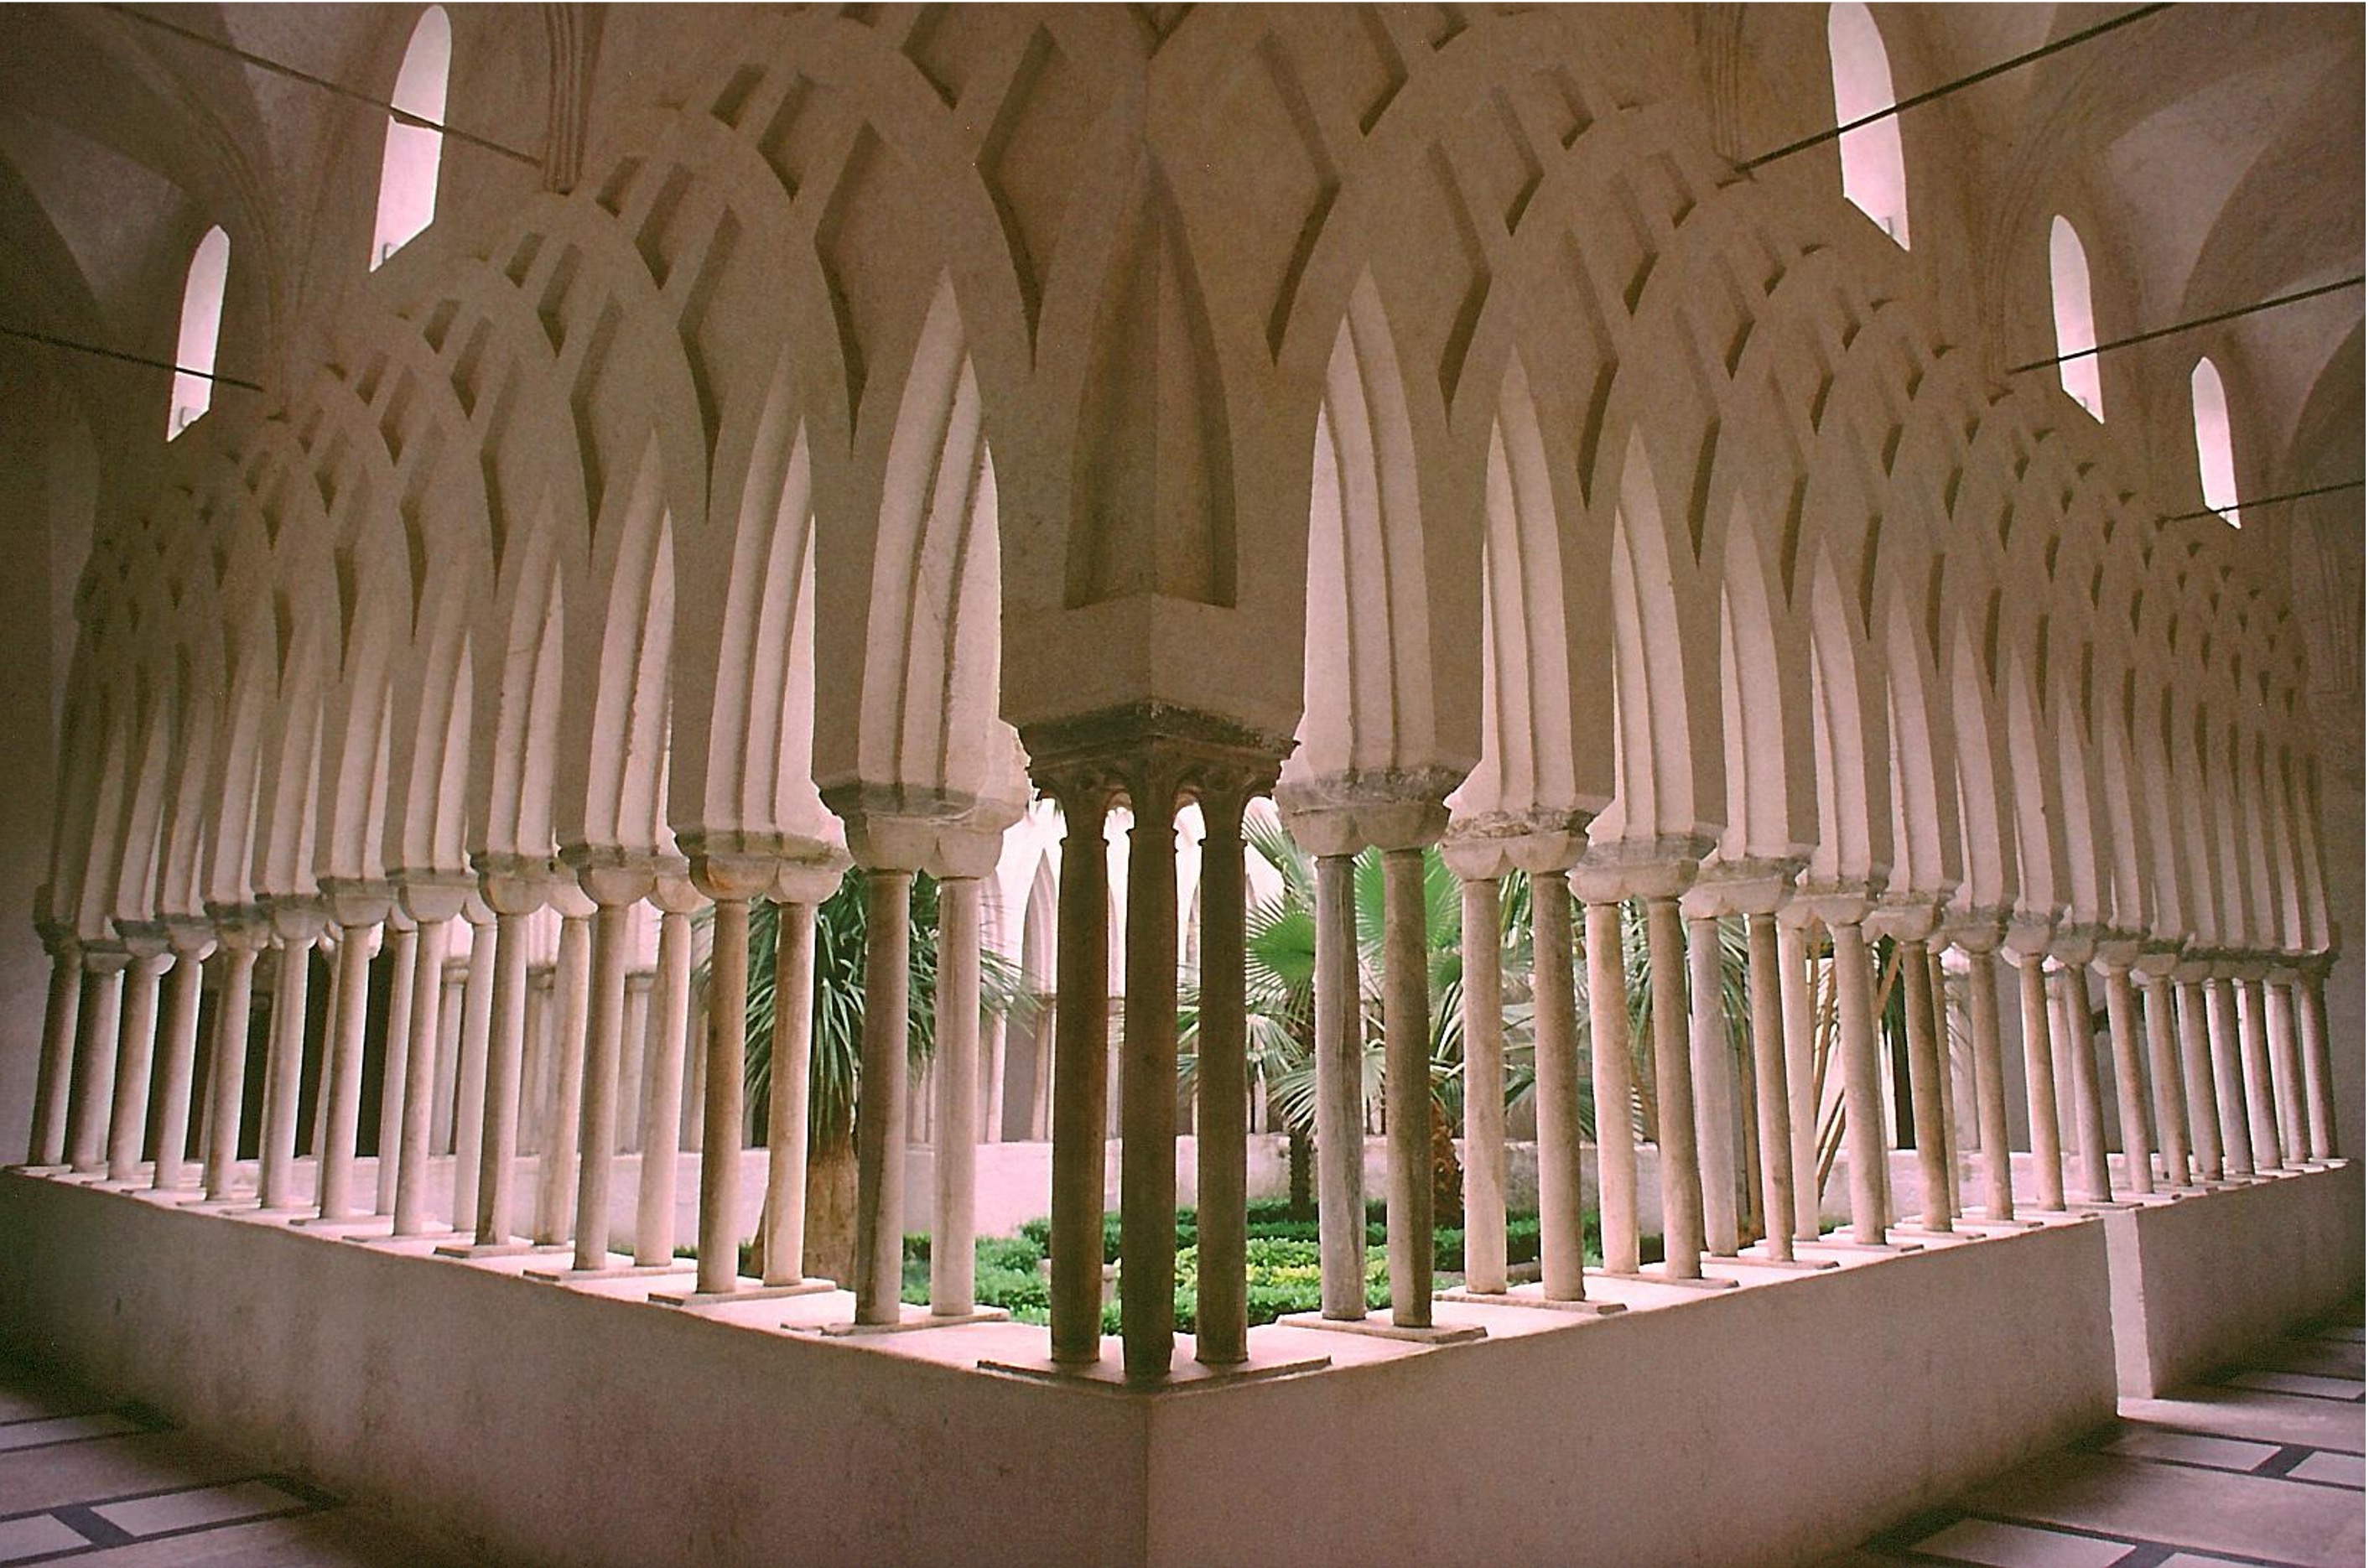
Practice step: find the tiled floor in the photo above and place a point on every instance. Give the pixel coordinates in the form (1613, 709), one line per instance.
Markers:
(2260, 1466)
(116, 1486)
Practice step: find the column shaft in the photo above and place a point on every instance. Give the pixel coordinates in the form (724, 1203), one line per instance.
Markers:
(402, 995)
(1340, 1091)
(285, 1070)
(1147, 1270)
(880, 1108)
(59, 1021)
(2286, 1071)
(953, 1079)
(1862, 1088)
(1713, 1066)
(604, 1039)
(786, 1114)
(423, 1035)
(1614, 1075)
(1222, 1094)
(1406, 1084)
(2040, 1085)
(2196, 1077)
(505, 1060)
(226, 1074)
(135, 1057)
(2130, 1081)
(1927, 1086)
(722, 1091)
(662, 1093)
(2076, 1054)
(1800, 1075)
(2163, 1074)
(350, 1015)
(2262, 1105)
(1682, 1209)
(178, 1038)
(469, 1072)
(1772, 1099)
(571, 1012)
(1483, 1004)
(2320, 1086)
(1991, 1084)
(1081, 1079)
(2228, 1075)
(1554, 1039)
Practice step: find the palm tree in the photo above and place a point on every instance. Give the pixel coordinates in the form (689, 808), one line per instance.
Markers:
(834, 1080)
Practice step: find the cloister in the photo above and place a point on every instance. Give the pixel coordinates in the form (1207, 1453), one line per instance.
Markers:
(585, 475)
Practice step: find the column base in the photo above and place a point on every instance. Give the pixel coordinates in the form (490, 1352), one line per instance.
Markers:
(1752, 1257)
(473, 1250)
(1378, 1325)
(1530, 1299)
(1658, 1274)
(40, 1169)
(432, 1240)
(1835, 1241)
(1109, 1375)
(914, 1317)
(131, 1183)
(752, 1291)
(623, 1269)
(334, 1221)
(173, 1195)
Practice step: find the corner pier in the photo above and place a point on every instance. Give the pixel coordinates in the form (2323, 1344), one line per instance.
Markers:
(530, 1422)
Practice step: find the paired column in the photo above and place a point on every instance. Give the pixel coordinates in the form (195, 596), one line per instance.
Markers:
(1713, 1066)
(1613, 1079)
(675, 897)
(135, 1053)
(394, 1090)
(572, 998)
(614, 886)
(1870, 1198)
(954, 1084)
(1800, 1065)
(514, 889)
(2228, 1074)
(241, 937)
(1483, 1015)
(2130, 1081)
(1979, 942)
(2262, 1103)
(358, 907)
(472, 1052)
(2163, 1066)
(432, 903)
(1929, 1086)
(296, 926)
(2196, 1070)
(192, 941)
(2286, 1065)
(1082, 1066)
(2028, 943)
(2318, 1073)
(1681, 1173)
(47, 1145)
(1554, 1039)
(1222, 1095)
(786, 1129)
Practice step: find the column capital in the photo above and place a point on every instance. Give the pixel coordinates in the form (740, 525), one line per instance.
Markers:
(192, 938)
(240, 928)
(58, 938)
(1487, 845)
(150, 943)
(1753, 885)
(1661, 868)
(1903, 919)
(2312, 967)
(106, 956)
(611, 876)
(2029, 933)
(2251, 967)
(2157, 960)
(736, 865)
(430, 895)
(1844, 902)
(2075, 945)
(567, 897)
(513, 884)
(356, 901)
(1154, 754)
(296, 922)
(1386, 808)
(1973, 931)
(672, 892)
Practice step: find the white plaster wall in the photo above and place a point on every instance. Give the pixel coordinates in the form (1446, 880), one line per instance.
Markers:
(2199, 1282)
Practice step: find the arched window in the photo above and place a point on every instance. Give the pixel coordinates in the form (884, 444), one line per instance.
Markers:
(1875, 176)
(2076, 325)
(407, 181)
(201, 302)
(2217, 456)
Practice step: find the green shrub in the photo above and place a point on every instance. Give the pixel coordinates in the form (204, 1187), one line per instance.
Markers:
(1009, 1251)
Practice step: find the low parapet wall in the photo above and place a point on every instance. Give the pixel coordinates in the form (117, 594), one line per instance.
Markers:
(2200, 1282)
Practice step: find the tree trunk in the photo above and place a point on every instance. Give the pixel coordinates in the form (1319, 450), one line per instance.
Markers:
(830, 1205)
(1302, 1153)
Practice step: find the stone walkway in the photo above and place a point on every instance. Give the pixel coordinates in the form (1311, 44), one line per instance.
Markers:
(2259, 1466)
(104, 1485)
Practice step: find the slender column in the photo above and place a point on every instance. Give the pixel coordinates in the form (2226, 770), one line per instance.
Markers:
(402, 994)
(1221, 1094)
(1484, 1005)
(177, 1050)
(994, 1047)
(473, 1055)
(1939, 988)
(1147, 1270)
(1990, 1073)
(1771, 1091)
(613, 890)
(2262, 1106)
(1040, 1085)
(662, 1081)
(571, 988)
(285, 1067)
(722, 1091)
(135, 1053)
(1554, 1036)
(2196, 1076)
(513, 901)
(2040, 1082)
(226, 1074)
(357, 910)
(2077, 1050)
(101, 1019)
(2130, 1082)
(2319, 1077)
(1616, 1133)
(450, 1003)
(1406, 1081)
(2228, 1074)
(793, 1058)
(1682, 1208)
(59, 1020)
(1340, 1091)
(2163, 1074)
(632, 1059)
(1712, 1067)
(1927, 1086)
(879, 1111)
(1801, 1071)
(432, 904)
(1862, 1089)
(534, 1068)
(1080, 1074)
(954, 1079)
(2286, 1069)
(315, 1135)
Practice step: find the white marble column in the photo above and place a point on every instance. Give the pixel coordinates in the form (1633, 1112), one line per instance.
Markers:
(1554, 1040)
(59, 1018)
(1340, 1091)
(358, 907)
(2286, 1066)
(1927, 1081)
(176, 1037)
(2196, 1070)
(514, 891)
(2027, 945)
(2254, 1041)
(954, 1082)
(101, 1021)
(880, 1110)
(2076, 1058)
(571, 994)
(1801, 1066)
(402, 995)
(1613, 1077)
(1223, 1090)
(1953, 1138)
(1711, 1067)
(432, 903)
(2129, 1077)
(1080, 1069)
(1484, 1002)
(732, 881)
(613, 884)
(2318, 1071)
(1772, 1087)
(135, 1048)
(787, 1119)
(473, 1055)
(1681, 1173)
(1406, 1084)
(2228, 1074)
(451, 1004)
(2163, 1067)
(242, 937)
(1855, 1020)
(296, 927)
(675, 897)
